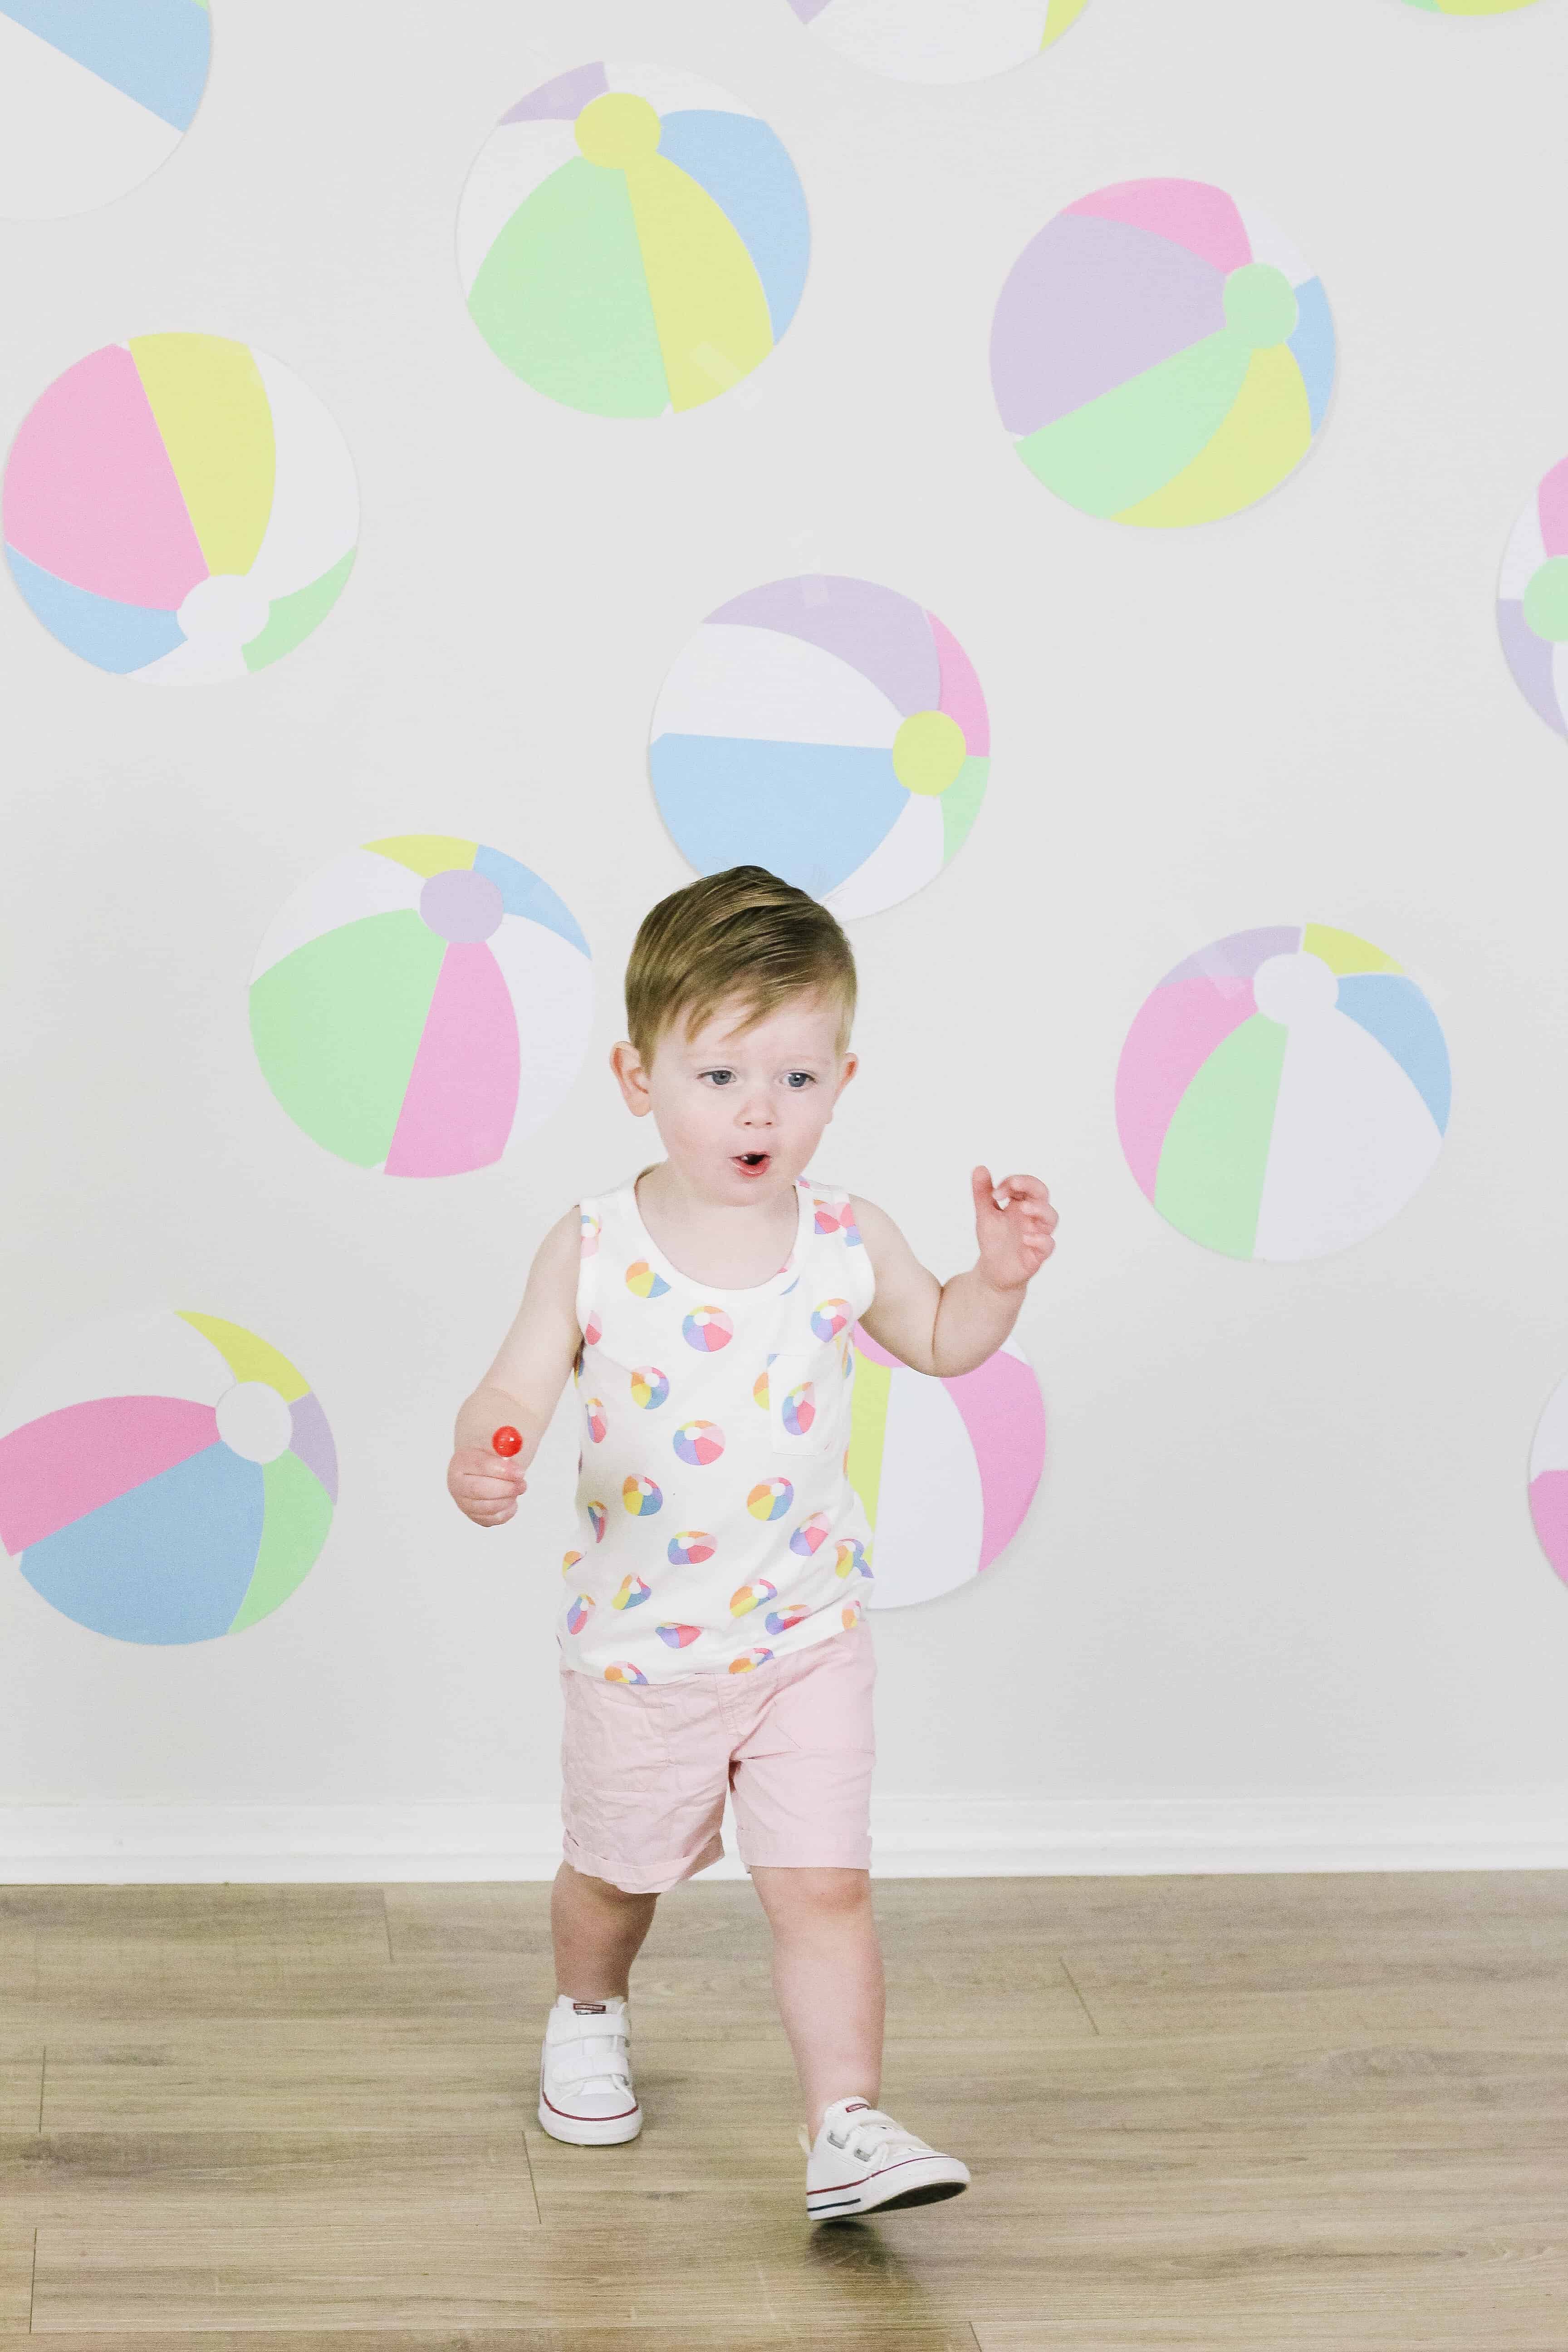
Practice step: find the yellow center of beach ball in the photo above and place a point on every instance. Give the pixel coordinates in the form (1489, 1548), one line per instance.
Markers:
(618, 130)
(929, 750)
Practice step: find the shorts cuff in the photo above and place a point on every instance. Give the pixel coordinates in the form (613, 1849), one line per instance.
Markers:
(651, 1878)
(850, 1856)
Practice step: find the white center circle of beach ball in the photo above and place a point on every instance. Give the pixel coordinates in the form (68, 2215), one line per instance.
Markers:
(227, 609)
(253, 1420)
(1290, 988)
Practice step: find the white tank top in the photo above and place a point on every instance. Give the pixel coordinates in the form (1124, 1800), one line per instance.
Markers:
(716, 1525)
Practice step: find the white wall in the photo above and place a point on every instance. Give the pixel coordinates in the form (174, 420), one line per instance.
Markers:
(1281, 1574)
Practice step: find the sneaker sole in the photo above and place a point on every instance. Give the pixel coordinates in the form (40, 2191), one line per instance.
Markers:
(849, 2205)
(589, 2131)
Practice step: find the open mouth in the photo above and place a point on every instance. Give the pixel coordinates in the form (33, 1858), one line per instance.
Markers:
(753, 1163)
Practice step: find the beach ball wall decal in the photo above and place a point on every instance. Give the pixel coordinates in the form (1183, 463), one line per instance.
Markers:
(1160, 357)
(631, 240)
(1532, 600)
(1283, 1093)
(165, 1477)
(1549, 1480)
(828, 729)
(944, 1469)
(179, 509)
(93, 98)
(1469, 7)
(421, 1004)
(940, 41)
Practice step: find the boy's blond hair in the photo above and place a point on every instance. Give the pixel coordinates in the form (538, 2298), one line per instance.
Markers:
(742, 934)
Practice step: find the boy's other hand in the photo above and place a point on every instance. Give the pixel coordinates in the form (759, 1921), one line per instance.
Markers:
(484, 1486)
(1015, 1224)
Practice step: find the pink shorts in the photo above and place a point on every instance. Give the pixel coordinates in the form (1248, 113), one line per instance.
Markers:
(646, 1770)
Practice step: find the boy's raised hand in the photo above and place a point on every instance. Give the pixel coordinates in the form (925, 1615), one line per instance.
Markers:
(484, 1486)
(1015, 1224)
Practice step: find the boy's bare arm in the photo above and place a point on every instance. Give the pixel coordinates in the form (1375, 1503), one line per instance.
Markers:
(522, 1386)
(950, 1326)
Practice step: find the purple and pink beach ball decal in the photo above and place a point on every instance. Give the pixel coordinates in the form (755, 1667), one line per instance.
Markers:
(945, 1469)
(1549, 1480)
(1532, 600)
(420, 1004)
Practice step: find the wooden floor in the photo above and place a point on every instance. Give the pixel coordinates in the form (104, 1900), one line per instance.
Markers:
(1216, 2111)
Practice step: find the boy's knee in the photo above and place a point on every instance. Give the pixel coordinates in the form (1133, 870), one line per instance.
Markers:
(817, 1894)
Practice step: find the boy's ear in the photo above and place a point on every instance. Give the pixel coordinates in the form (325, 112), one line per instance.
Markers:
(632, 1078)
(851, 1064)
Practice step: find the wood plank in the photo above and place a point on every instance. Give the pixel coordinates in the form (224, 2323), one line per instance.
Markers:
(21, 2082)
(16, 2275)
(730, 2335)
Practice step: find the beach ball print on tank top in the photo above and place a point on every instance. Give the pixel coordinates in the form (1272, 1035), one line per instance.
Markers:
(420, 1004)
(632, 241)
(180, 509)
(95, 95)
(946, 1470)
(829, 729)
(1532, 600)
(940, 41)
(1160, 357)
(165, 1477)
(1283, 1093)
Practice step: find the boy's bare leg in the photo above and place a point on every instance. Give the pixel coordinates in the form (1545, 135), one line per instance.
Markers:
(598, 1931)
(828, 1977)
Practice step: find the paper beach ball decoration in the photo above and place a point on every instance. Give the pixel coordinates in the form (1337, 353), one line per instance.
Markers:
(421, 1004)
(1160, 357)
(1549, 1480)
(165, 1477)
(940, 41)
(179, 509)
(1470, 7)
(945, 1469)
(1532, 600)
(1283, 1093)
(632, 240)
(93, 98)
(829, 729)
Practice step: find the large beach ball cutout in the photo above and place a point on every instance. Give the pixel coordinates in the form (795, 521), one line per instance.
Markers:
(1283, 1093)
(1549, 1480)
(420, 1004)
(829, 729)
(945, 1469)
(94, 95)
(1160, 356)
(165, 1477)
(1469, 7)
(1532, 600)
(940, 41)
(632, 240)
(179, 509)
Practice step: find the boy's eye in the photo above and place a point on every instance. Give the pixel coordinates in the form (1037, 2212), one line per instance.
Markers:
(799, 1080)
(720, 1077)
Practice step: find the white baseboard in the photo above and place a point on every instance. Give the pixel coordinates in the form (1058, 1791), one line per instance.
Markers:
(915, 1837)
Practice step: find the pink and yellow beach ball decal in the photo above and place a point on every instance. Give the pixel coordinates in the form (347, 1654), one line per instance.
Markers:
(1283, 1093)
(1160, 356)
(179, 509)
(632, 240)
(945, 1469)
(420, 1004)
(1532, 600)
(940, 41)
(165, 1477)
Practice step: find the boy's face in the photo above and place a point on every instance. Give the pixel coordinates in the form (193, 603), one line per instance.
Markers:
(740, 1111)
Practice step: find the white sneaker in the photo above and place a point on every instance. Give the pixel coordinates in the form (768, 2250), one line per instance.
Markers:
(863, 2162)
(585, 2091)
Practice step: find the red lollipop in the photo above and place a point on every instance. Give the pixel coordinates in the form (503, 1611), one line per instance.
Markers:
(508, 1440)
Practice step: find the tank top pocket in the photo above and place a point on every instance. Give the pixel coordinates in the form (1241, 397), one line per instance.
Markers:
(808, 1400)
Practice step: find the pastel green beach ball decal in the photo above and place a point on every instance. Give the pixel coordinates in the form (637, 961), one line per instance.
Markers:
(165, 1477)
(421, 1004)
(829, 729)
(1283, 1093)
(179, 509)
(1160, 356)
(94, 95)
(1532, 600)
(632, 240)
(940, 41)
